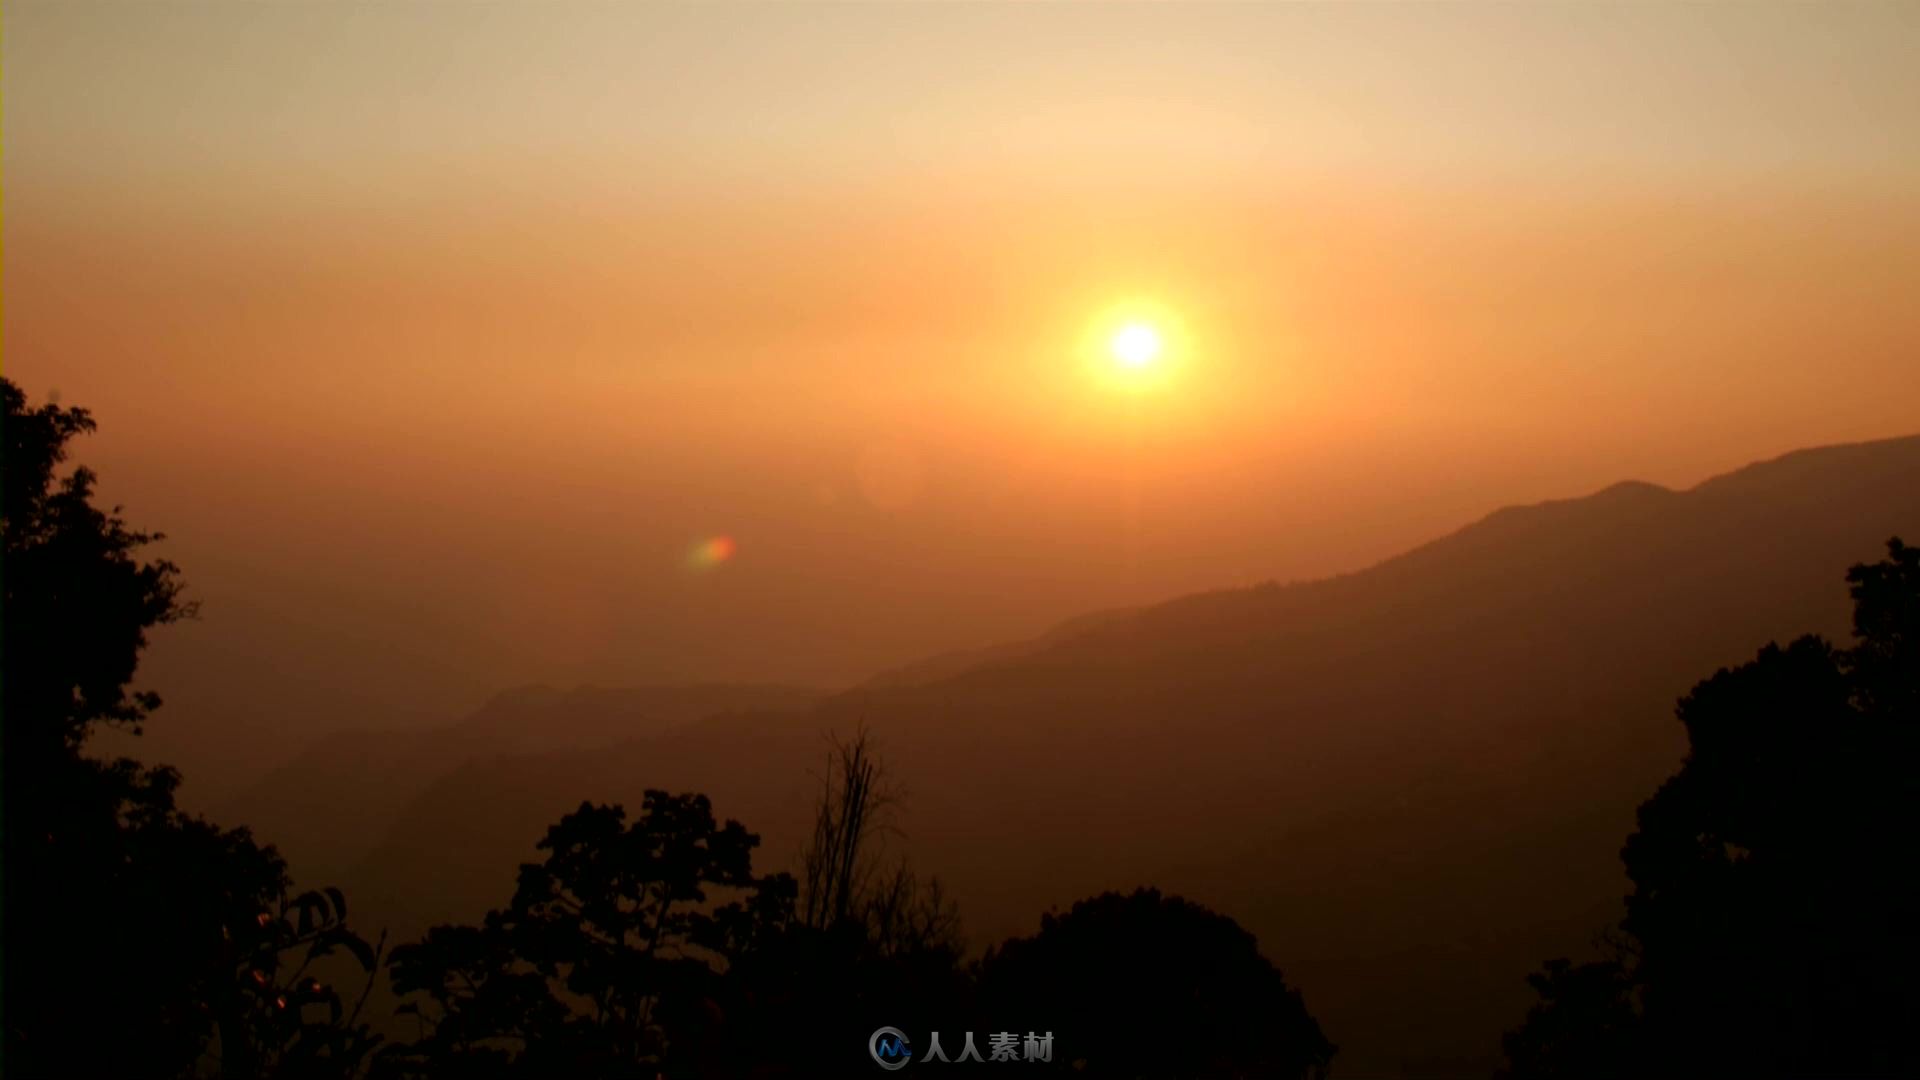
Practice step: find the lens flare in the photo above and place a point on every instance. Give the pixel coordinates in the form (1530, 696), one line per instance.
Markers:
(711, 553)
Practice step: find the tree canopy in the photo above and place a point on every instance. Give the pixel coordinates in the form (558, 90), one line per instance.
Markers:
(608, 960)
(1774, 925)
(140, 941)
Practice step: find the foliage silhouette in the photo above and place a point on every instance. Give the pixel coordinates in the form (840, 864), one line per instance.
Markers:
(606, 963)
(79, 599)
(1586, 1025)
(1773, 928)
(652, 949)
(140, 941)
(1145, 985)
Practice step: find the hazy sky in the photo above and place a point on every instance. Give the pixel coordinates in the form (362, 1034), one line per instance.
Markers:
(439, 337)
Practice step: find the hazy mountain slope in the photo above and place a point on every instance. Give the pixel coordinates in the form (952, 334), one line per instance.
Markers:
(331, 802)
(1411, 782)
(950, 664)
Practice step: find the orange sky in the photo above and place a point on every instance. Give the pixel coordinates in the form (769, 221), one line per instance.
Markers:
(438, 336)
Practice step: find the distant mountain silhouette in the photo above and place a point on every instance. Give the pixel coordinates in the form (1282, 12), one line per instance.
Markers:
(325, 805)
(951, 664)
(1410, 782)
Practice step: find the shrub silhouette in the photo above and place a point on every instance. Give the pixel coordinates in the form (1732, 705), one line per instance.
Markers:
(1145, 985)
(871, 942)
(1774, 926)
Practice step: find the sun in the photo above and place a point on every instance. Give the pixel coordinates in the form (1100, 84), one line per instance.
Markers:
(1135, 345)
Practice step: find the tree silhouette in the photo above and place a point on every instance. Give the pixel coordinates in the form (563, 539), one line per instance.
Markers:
(651, 948)
(1774, 926)
(79, 598)
(849, 815)
(1145, 985)
(607, 962)
(140, 941)
(846, 874)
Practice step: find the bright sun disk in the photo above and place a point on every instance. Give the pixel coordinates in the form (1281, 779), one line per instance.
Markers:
(1135, 345)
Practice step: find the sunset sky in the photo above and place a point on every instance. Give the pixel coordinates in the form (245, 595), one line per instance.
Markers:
(459, 346)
